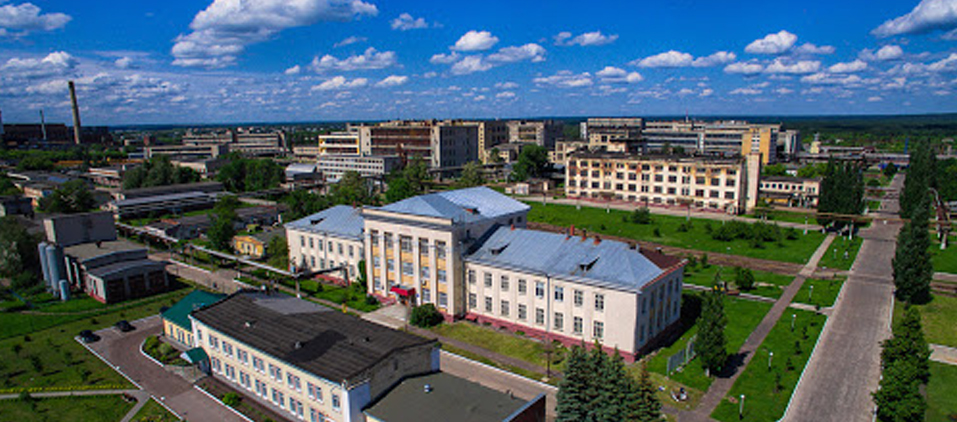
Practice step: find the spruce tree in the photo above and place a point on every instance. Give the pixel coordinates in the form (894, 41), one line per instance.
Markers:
(597, 385)
(908, 344)
(645, 406)
(898, 398)
(711, 344)
(616, 389)
(572, 404)
(912, 266)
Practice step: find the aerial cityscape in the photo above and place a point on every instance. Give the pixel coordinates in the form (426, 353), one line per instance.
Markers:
(354, 211)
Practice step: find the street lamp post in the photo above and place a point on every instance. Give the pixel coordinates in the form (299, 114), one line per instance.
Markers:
(793, 317)
(805, 225)
(810, 291)
(770, 358)
(741, 408)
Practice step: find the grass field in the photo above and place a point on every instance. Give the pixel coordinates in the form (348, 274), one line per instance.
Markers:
(791, 217)
(52, 359)
(73, 409)
(743, 316)
(338, 294)
(528, 350)
(824, 293)
(942, 393)
(835, 257)
(945, 261)
(767, 391)
(597, 220)
(937, 318)
(766, 284)
(154, 412)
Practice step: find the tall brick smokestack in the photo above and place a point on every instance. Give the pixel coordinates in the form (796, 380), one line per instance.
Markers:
(76, 114)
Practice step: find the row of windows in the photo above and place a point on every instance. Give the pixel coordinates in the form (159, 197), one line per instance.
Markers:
(700, 193)
(292, 380)
(408, 269)
(522, 287)
(648, 167)
(598, 327)
(785, 186)
(260, 388)
(700, 180)
(337, 247)
(405, 243)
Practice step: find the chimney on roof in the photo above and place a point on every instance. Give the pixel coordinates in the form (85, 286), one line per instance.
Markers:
(597, 239)
(632, 245)
(571, 230)
(584, 234)
(513, 226)
(658, 249)
(76, 113)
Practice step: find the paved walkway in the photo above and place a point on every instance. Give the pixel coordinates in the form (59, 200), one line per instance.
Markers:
(722, 384)
(943, 354)
(845, 366)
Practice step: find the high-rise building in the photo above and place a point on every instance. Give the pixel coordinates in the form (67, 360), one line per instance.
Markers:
(543, 133)
(443, 144)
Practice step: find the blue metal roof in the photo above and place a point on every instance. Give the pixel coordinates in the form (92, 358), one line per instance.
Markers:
(463, 205)
(340, 220)
(609, 264)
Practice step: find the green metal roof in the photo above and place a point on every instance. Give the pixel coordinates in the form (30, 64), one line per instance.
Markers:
(179, 313)
(195, 355)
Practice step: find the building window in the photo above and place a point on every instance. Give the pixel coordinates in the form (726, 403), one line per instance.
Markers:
(599, 331)
(351, 251)
(310, 243)
(579, 298)
(405, 243)
(577, 325)
(335, 402)
(504, 308)
(504, 281)
(472, 301)
(440, 275)
(440, 249)
(390, 264)
(408, 269)
(539, 316)
(443, 300)
(488, 304)
(471, 276)
(424, 247)
(559, 294)
(522, 312)
(522, 286)
(374, 237)
(302, 241)
(426, 295)
(559, 321)
(539, 289)
(599, 302)
(376, 261)
(488, 279)
(424, 273)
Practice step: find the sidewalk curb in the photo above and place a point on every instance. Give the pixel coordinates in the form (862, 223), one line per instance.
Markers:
(115, 368)
(487, 366)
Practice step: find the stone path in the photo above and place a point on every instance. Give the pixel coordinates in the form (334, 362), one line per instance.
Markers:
(943, 354)
(721, 385)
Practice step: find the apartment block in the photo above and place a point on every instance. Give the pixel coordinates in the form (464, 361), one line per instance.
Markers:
(491, 133)
(333, 166)
(541, 133)
(598, 131)
(303, 360)
(340, 143)
(726, 184)
(445, 143)
(791, 191)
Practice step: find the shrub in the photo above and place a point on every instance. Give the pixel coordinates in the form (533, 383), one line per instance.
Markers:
(231, 399)
(641, 216)
(704, 261)
(744, 278)
(657, 232)
(426, 316)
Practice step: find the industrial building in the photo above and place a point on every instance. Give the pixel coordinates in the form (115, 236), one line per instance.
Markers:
(328, 239)
(541, 133)
(82, 251)
(242, 140)
(790, 191)
(446, 143)
(715, 183)
(333, 166)
(340, 143)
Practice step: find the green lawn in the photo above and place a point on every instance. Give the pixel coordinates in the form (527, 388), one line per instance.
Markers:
(154, 412)
(596, 220)
(945, 261)
(942, 393)
(76, 304)
(506, 344)
(835, 257)
(352, 296)
(937, 318)
(743, 316)
(515, 370)
(824, 293)
(50, 359)
(767, 391)
(777, 215)
(73, 409)
(767, 284)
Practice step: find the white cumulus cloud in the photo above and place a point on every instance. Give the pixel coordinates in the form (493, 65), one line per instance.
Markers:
(506, 85)
(406, 22)
(566, 79)
(124, 62)
(57, 63)
(670, 58)
(586, 39)
(470, 64)
(340, 82)
(370, 59)
(475, 41)
(505, 95)
(21, 19)
(808, 48)
(885, 53)
(349, 41)
(745, 91)
(295, 70)
(927, 16)
(798, 67)
(745, 68)
(445, 58)
(531, 52)
(392, 80)
(715, 59)
(611, 74)
(223, 30)
(848, 67)
(772, 43)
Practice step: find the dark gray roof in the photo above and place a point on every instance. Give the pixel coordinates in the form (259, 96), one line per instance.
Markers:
(333, 345)
(609, 263)
(181, 196)
(462, 205)
(450, 399)
(122, 269)
(85, 251)
(340, 220)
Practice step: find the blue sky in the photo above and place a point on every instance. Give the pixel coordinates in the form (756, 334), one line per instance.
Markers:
(220, 61)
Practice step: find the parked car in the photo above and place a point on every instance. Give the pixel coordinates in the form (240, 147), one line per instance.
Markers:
(87, 336)
(124, 326)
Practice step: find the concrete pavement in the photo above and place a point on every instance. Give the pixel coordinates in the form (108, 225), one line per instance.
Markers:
(943, 354)
(845, 367)
(122, 352)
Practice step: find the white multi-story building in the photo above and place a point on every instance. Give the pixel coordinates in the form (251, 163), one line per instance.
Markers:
(325, 240)
(728, 184)
(333, 166)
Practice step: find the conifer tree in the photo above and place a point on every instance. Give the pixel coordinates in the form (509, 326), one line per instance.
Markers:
(573, 403)
(898, 398)
(711, 344)
(645, 406)
(912, 266)
(616, 388)
(908, 344)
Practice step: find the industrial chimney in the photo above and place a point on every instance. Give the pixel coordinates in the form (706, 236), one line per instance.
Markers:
(76, 114)
(43, 126)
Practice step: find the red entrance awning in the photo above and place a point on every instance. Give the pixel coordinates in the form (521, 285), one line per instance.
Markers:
(402, 291)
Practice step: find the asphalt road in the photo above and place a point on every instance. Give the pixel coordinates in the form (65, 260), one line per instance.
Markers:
(122, 352)
(845, 367)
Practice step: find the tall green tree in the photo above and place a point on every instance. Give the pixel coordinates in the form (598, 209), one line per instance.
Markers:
(471, 175)
(711, 344)
(242, 174)
(408, 181)
(898, 397)
(913, 270)
(531, 162)
(573, 402)
(921, 175)
(70, 198)
(158, 171)
(842, 192)
(19, 259)
(644, 406)
(222, 222)
(908, 344)
(352, 189)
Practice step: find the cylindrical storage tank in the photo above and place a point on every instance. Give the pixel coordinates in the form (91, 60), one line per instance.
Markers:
(64, 290)
(54, 270)
(42, 249)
